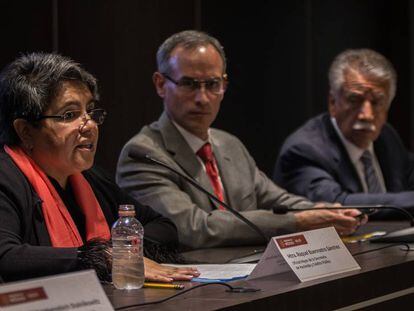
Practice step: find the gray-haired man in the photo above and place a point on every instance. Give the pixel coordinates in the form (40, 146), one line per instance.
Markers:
(351, 155)
(191, 79)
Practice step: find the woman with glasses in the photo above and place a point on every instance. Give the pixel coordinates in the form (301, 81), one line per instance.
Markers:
(56, 209)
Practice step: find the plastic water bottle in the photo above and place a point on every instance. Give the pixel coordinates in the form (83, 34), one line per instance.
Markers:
(127, 250)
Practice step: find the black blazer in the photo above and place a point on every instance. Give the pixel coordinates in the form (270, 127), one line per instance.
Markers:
(314, 163)
(25, 247)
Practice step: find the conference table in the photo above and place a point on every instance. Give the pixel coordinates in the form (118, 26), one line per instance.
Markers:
(385, 282)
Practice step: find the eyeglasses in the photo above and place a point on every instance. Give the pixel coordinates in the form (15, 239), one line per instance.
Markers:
(216, 85)
(97, 115)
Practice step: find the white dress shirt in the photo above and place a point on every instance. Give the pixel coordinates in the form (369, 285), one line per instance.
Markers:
(355, 154)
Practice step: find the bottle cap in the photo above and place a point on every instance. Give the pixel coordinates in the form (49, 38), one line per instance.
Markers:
(126, 210)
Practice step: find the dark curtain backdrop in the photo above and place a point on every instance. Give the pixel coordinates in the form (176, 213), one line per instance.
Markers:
(278, 56)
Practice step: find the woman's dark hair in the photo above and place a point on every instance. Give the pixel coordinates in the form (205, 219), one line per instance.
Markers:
(28, 86)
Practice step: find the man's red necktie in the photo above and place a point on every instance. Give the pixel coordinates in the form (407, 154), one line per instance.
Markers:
(206, 154)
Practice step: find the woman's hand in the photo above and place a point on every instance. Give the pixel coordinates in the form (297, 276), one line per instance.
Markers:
(159, 273)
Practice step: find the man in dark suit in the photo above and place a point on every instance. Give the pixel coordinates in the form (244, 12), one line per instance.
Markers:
(191, 79)
(351, 155)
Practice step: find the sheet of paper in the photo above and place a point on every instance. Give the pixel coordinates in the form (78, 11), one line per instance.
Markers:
(71, 291)
(222, 272)
(272, 262)
(310, 255)
(316, 253)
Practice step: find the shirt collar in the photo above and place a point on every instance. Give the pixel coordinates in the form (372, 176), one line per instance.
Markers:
(193, 141)
(354, 151)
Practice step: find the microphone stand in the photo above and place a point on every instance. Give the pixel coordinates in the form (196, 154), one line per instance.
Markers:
(400, 236)
(370, 208)
(136, 154)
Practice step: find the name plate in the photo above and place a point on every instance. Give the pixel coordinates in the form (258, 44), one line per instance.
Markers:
(310, 255)
(72, 291)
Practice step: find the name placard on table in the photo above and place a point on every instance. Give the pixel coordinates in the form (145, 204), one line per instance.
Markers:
(79, 291)
(309, 254)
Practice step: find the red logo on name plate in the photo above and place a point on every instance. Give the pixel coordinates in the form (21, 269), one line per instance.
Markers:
(292, 241)
(21, 296)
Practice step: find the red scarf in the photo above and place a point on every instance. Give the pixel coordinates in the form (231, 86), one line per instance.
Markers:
(62, 230)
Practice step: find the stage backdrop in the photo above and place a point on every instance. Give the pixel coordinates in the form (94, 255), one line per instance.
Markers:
(278, 56)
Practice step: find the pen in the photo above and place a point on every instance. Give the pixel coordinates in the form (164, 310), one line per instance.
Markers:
(162, 285)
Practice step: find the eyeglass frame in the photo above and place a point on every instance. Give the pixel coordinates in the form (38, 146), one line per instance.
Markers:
(223, 79)
(62, 116)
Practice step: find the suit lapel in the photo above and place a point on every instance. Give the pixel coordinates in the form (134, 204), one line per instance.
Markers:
(183, 155)
(345, 169)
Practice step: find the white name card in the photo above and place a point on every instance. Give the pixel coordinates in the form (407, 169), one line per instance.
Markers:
(79, 291)
(310, 255)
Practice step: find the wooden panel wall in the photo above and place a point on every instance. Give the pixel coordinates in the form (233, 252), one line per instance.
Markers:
(278, 57)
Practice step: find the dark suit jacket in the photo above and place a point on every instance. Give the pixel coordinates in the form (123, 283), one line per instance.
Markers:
(25, 247)
(313, 162)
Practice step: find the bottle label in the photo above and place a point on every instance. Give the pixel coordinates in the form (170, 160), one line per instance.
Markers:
(127, 213)
(135, 244)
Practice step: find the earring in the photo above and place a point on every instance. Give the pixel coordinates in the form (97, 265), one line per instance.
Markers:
(28, 147)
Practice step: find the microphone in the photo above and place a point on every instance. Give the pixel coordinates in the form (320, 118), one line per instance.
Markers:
(400, 236)
(282, 209)
(134, 153)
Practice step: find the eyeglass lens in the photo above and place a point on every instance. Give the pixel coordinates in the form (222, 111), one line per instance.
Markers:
(97, 115)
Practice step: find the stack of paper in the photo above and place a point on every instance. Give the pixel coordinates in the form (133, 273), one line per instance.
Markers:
(222, 272)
